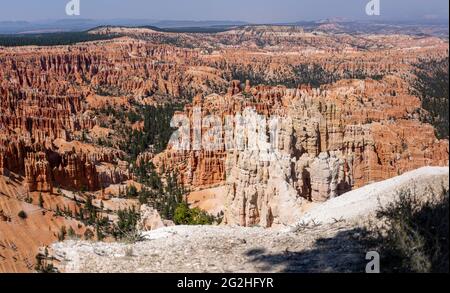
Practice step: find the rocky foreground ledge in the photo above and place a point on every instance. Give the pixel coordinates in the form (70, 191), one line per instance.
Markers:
(218, 249)
(326, 239)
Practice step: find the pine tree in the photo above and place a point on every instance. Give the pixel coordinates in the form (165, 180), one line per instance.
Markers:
(71, 232)
(100, 235)
(88, 235)
(41, 200)
(62, 233)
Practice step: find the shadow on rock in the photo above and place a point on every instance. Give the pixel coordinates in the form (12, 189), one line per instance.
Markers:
(342, 253)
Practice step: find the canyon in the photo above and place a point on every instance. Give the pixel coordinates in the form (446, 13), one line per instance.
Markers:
(76, 128)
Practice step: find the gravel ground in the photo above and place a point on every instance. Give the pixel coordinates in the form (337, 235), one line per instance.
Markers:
(220, 249)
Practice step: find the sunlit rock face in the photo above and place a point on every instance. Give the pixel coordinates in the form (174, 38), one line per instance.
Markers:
(332, 140)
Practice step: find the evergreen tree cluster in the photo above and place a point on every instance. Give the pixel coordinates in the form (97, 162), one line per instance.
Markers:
(50, 39)
(310, 74)
(163, 195)
(126, 224)
(432, 86)
(156, 132)
(167, 197)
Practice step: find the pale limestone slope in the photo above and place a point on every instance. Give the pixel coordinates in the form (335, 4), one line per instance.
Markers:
(365, 201)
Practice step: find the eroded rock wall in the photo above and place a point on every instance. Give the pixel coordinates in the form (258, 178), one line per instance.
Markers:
(333, 139)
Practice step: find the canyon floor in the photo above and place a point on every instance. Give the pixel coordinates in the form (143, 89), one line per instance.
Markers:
(326, 239)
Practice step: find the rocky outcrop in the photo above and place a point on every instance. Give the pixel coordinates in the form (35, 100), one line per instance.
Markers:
(324, 178)
(150, 220)
(38, 173)
(76, 172)
(332, 140)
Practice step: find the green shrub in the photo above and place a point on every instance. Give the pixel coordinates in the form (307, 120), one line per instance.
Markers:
(414, 234)
(22, 215)
(182, 215)
(187, 216)
(71, 233)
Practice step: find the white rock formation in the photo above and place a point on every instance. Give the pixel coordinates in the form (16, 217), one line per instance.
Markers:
(364, 201)
(150, 219)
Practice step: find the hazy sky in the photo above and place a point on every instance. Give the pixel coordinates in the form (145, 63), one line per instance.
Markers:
(257, 11)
